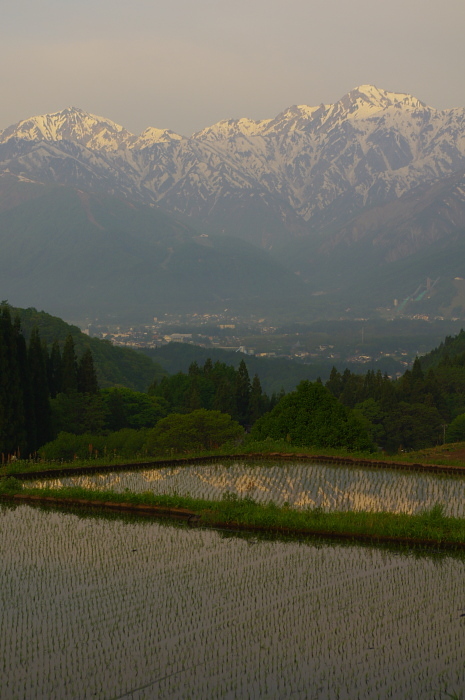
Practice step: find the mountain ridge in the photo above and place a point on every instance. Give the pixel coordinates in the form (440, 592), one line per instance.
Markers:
(305, 185)
(87, 255)
(369, 147)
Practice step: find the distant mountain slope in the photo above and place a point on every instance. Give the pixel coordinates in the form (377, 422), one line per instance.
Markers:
(453, 348)
(368, 190)
(308, 164)
(275, 373)
(114, 366)
(83, 255)
(387, 251)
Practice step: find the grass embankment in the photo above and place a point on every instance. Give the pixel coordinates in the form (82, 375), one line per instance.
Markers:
(448, 455)
(429, 527)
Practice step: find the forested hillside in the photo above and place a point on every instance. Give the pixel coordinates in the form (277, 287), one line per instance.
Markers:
(50, 391)
(450, 349)
(114, 366)
(276, 373)
(46, 391)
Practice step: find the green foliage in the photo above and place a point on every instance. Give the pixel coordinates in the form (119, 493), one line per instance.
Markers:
(430, 525)
(412, 427)
(10, 485)
(125, 443)
(312, 416)
(456, 430)
(274, 373)
(448, 352)
(55, 370)
(242, 394)
(69, 367)
(114, 366)
(125, 408)
(217, 387)
(373, 415)
(78, 413)
(12, 409)
(86, 376)
(199, 430)
(407, 414)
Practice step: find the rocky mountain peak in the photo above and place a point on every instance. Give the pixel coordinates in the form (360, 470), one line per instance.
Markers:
(308, 165)
(71, 124)
(228, 128)
(367, 100)
(152, 135)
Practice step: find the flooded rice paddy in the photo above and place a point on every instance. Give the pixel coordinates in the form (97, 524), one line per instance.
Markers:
(107, 608)
(301, 485)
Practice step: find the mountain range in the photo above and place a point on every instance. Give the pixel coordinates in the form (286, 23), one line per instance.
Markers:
(90, 255)
(358, 202)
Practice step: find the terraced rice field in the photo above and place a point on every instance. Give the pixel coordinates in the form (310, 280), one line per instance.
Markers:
(301, 485)
(106, 608)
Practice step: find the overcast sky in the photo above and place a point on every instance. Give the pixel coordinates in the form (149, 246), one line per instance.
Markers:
(184, 65)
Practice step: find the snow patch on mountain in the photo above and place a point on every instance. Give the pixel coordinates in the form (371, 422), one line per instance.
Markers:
(153, 135)
(310, 164)
(229, 128)
(71, 124)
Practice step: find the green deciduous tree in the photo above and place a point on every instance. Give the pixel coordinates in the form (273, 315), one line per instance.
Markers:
(126, 408)
(312, 416)
(412, 427)
(456, 430)
(199, 430)
(78, 413)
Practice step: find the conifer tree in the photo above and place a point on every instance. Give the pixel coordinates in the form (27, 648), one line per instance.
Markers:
(39, 391)
(334, 383)
(12, 420)
(224, 399)
(86, 376)
(69, 367)
(207, 367)
(257, 407)
(25, 379)
(55, 370)
(242, 394)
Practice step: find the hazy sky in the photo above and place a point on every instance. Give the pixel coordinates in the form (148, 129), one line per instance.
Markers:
(186, 64)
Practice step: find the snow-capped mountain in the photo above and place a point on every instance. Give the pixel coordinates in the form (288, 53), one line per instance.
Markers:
(308, 170)
(71, 124)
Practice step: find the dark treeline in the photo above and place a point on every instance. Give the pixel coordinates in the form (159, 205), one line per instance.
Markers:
(418, 410)
(30, 377)
(216, 387)
(45, 391)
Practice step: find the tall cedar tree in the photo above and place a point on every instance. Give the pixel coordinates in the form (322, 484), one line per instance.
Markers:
(242, 393)
(26, 386)
(39, 391)
(12, 420)
(257, 403)
(69, 367)
(55, 370)
(86, 375)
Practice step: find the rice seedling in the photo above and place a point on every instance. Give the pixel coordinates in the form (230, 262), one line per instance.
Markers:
(299, 485)
(151, 610)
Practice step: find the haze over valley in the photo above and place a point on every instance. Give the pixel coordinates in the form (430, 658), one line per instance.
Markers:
(344, 210)
(232, 294)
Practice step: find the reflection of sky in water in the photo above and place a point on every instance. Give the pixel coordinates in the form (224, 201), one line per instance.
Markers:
(298, 484)
(93, 607)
